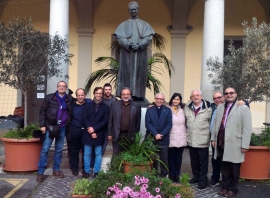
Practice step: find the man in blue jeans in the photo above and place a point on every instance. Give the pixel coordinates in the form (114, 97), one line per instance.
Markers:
(54, 110)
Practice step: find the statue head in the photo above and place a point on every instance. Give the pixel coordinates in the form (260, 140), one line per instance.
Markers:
(133, 8)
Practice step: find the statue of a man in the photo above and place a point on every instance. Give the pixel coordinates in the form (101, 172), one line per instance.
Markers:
(133, 35)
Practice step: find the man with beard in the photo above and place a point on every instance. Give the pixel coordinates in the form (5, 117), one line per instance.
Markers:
(124, 119)
(108, 99)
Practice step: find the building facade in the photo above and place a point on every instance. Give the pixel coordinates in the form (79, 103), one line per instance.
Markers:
(195, 30)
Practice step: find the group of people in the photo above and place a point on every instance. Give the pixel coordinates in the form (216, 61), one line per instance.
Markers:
(89, 124)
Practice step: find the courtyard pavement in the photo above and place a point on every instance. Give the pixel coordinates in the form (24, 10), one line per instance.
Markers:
(22, 185)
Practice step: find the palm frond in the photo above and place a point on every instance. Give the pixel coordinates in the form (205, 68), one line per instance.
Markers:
(161, 58)
(115, 47)
(100, 75)
(153, 83)
(159, 41)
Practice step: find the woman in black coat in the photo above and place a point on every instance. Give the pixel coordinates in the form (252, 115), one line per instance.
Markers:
(96, 117)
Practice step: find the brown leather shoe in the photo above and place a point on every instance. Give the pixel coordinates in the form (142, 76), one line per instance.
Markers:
(40, 178)
(58, 174)
(230, 194)
(222, 192)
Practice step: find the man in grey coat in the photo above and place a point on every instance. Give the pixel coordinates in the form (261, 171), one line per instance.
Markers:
(124, 119)
(231, 136)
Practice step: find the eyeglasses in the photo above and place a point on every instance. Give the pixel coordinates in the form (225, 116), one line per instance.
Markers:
(227, 93)
(61, 86)
(159, 98)
(125, 94)
(98, 93)
(219, 97)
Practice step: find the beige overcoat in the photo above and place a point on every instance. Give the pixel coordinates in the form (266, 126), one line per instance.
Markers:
(237, 132)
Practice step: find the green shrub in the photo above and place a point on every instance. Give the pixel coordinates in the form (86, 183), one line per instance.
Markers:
(19, 133)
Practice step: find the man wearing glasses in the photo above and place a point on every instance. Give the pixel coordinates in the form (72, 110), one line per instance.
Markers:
(158, 122)
(218, 99)
(230, 136)
(198, 113)
(54, 110)
(124, 119)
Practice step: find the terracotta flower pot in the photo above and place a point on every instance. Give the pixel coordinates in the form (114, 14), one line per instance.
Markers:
(256, 164)
(129, 168)
(21, 155)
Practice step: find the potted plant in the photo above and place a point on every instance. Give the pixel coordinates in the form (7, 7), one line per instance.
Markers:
(139, 153)
(20, 146)
(81, 188)
(114, 182)
(257, 158)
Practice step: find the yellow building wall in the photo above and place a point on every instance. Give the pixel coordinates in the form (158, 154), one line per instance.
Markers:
(39, 11)
(111, 13)
(235, 13)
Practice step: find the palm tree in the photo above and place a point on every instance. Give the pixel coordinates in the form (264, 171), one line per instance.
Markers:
(109, 66)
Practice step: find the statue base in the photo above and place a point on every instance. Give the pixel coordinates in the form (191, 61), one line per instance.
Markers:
(142, 101)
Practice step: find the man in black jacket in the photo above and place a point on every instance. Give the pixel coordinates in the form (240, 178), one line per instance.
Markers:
(124, 119)
(54, 111)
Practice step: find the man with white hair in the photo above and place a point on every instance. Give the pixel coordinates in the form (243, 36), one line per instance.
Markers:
(158, 122)
(198, 115)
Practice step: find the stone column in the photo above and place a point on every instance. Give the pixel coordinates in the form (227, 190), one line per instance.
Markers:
(59, 23)
(267, 119)
(84, 55)
(178, 60)
(213, 41)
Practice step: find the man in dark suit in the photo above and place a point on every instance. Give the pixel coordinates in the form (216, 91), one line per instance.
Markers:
(124, 119)
(158, 122)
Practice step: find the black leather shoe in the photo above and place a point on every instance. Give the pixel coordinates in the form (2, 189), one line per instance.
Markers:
(193, 180)
(86, 175)
(222, 192)
(95, 175)
(201, 187)
(75, 172)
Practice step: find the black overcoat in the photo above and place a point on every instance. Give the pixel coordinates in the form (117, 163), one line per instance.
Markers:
(95, 116)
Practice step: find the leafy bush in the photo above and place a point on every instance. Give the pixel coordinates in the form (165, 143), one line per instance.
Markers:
(81, 187)
(139, 151)
(263, 139)
(19, 133)
(98, 188)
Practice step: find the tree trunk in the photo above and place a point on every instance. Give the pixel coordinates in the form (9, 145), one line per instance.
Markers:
(25, 108)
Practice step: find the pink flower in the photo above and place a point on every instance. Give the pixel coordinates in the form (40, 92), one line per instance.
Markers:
(157, 190)
(137, 176)
(177, 195)
(110, 188)
(145, 186)
(160, 182)
(143, 190)
(137, 182)
(108, 192)
(146, 180)
(158, 196)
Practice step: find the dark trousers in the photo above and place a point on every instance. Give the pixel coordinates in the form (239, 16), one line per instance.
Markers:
(163, 156)
(75, 147)
(175, 162)
(117, 148)
(199, 164)
(230, 174)
(216, 163)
